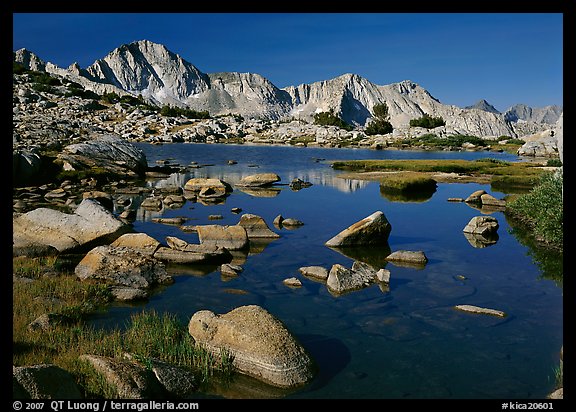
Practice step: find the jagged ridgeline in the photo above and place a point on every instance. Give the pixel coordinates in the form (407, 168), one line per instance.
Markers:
(162, 77)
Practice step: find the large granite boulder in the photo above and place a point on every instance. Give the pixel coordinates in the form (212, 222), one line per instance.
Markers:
(105, 152)
(262, 347)
(374, 229)
(90, 224)
(122, 266)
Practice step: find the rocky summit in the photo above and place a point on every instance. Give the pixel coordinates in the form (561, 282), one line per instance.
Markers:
(151, 71)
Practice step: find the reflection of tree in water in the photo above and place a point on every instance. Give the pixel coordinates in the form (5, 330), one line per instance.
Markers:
(414, 195)
(548, 260)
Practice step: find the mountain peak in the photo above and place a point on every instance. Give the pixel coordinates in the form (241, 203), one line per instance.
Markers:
(483, 105)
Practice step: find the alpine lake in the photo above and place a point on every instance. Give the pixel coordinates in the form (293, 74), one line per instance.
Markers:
(403, 340)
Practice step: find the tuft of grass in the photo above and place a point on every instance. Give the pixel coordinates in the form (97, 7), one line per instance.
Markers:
(408, 181)
(542, 209)
(471, 167)
(69, 302)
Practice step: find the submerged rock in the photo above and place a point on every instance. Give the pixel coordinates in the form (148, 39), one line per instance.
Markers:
(477, 309)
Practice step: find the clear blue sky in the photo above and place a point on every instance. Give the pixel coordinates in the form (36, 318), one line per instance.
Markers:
(460, 58)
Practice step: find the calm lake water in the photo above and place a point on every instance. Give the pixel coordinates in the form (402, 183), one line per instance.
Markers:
(404, 342)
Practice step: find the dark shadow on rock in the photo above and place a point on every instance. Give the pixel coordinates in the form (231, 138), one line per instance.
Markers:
(374, 255)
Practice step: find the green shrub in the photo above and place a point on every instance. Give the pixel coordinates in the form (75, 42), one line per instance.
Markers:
(428, 122)
(378, 127)
(542, 209)
(554, 163)
(44, 88)
(380, 123)
(111, 97)
(172, 111)
(17, 68)
(45, 78)
(330, 119)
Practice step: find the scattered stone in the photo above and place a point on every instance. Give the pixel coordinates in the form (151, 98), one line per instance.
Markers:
(236, 210)
(256, 227)
(489, 200)
(153, 203)
(194, 254)
(215, 217)
(177, 221)
(198, 183)
(229, 269)
(477, 309)
(455, 199)
(291, 223)
(482, 225)
(229, 237)
(475, 197)
(292, 282)
(128, 214)
(383, 275)
(315, 272)
(298, 184)
(278, 221)
(373, 229)
(413, 257)
(343, 280)
(258, 180)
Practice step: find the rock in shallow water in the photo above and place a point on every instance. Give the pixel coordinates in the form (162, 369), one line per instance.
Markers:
(261, 345)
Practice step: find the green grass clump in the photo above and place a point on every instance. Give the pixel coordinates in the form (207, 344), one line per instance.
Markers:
(472, 167)
(69, 303)
(542, 209)
(408, 182)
